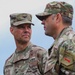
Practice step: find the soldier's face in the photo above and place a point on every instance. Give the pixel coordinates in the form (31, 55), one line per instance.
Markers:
(49, 25)
(22, 33)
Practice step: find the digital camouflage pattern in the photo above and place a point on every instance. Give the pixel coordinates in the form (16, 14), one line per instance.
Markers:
(61, 59)
(30, 61)
(20, 18)
(57, 7)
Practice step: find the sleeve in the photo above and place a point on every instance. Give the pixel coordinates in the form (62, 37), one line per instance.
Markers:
(67, 54)
(42, 56)
(8, 66)
(4, 70)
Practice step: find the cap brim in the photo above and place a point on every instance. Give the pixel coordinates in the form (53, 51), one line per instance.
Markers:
(42, 16)
(22, 22)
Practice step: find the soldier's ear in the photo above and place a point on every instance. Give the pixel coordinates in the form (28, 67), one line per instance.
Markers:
(58, 17)
(11, 30)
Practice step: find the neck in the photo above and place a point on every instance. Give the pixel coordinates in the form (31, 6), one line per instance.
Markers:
(21, 47)
(59, 31)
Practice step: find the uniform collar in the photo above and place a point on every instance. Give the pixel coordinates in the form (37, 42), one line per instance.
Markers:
(64, 31)
(22, 55)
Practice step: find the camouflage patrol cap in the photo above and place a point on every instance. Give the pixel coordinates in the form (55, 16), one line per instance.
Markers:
(20, 18)
(56, 7)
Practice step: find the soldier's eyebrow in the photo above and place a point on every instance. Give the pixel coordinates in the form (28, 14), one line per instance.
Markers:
(23, 26)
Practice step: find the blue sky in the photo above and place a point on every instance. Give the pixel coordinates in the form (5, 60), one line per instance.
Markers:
(7, 7)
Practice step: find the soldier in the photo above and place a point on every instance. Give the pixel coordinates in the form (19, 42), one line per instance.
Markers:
(57, 20)
(28, 59)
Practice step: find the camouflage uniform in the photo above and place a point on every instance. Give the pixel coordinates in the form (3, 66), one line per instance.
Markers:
(30, 61)
(62, 54)
(61, 59)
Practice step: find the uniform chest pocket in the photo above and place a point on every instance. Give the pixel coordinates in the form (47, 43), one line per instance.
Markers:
(33, 66)
(21, 67)
(33, 62)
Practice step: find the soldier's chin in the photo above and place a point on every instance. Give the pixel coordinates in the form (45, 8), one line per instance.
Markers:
(46, 34)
